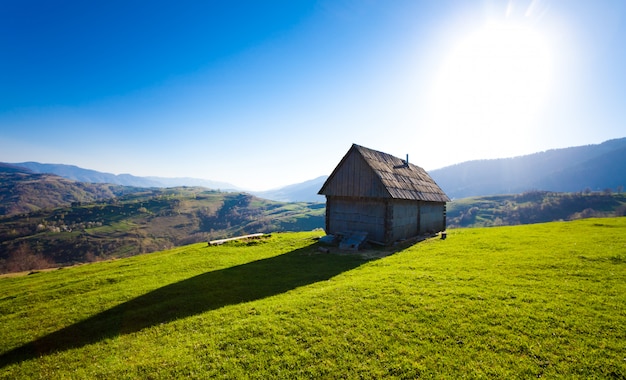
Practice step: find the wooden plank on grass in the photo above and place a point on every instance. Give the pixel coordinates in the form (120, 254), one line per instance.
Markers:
(222, 241)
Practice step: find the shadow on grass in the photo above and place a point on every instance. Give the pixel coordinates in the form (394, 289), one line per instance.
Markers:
(195, 295)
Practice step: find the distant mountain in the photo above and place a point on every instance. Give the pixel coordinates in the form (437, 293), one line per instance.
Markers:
(92, 176)
(22, 191)
(8, 168)
(594, 167)
(186, 181)
(300, 192)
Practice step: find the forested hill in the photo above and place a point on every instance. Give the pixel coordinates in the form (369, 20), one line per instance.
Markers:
(533, 207)
(22, 191)
(49, 221)
(593, 167)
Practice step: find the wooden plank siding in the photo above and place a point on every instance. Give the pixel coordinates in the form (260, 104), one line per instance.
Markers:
(383, 220)
(405, 219)
(345, 214)
(432, 217)
(355, 178)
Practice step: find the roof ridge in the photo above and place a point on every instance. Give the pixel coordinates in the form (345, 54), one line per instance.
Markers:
(400, 178)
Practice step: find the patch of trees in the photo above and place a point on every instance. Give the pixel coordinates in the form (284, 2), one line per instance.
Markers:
(22, 259)
(235, 211)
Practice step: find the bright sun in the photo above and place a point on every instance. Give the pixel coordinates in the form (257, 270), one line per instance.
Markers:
(493, 82)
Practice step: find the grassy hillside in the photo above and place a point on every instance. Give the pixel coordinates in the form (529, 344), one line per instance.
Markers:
(533, 207)
(543, 300)
(144, 221)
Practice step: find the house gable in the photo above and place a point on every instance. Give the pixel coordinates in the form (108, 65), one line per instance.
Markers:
(354, 177)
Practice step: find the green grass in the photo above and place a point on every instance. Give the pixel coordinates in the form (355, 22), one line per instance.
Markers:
(509, 302)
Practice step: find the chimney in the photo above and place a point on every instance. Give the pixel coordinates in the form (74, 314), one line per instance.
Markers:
(406, 163)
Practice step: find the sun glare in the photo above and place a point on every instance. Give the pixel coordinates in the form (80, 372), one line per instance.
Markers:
(492, 83)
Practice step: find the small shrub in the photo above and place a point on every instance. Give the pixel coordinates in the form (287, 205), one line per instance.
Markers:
(24, 259)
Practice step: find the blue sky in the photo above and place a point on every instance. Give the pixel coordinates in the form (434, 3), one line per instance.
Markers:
(265, 94)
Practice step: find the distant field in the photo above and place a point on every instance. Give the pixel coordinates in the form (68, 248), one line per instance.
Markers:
(542, 300)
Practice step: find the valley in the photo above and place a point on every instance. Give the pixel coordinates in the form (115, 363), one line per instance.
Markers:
(143, 221)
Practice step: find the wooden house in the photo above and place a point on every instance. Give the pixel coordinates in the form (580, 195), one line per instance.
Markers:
(388, 198)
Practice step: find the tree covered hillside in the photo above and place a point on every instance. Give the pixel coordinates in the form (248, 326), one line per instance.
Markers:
(533, 207)
(146, 221)
(23, 192)
(593, 167)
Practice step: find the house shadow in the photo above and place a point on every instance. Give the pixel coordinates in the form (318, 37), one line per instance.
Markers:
(192, 296)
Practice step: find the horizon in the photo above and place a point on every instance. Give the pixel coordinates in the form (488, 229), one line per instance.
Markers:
(268, 95)
(240, 188)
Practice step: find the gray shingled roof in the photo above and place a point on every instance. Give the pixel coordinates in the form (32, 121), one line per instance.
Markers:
(402, 181)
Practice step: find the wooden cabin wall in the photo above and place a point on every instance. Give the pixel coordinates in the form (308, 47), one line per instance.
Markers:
(405, 220)
(386, 221)
(354, 214)
(432, 217)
